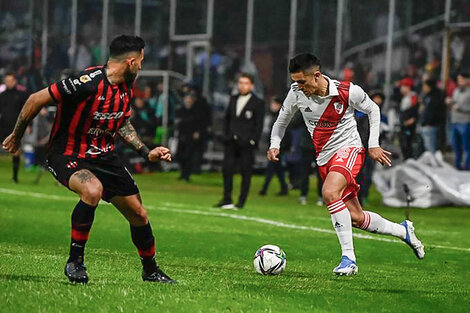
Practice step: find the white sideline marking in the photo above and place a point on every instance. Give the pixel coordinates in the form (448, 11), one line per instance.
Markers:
(227, 215)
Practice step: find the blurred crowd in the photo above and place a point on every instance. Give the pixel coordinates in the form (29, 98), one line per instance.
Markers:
(419, 116)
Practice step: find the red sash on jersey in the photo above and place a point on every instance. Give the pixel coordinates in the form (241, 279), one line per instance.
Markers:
(331, 117)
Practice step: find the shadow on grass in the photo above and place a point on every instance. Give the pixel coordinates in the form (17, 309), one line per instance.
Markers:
(29, 278)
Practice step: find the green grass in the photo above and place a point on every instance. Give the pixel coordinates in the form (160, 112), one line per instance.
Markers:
(210, 253)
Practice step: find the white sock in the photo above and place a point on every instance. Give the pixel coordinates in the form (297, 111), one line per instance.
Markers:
(341, 219)
(375, 223)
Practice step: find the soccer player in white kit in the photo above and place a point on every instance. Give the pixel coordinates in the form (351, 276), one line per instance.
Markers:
(327, 107)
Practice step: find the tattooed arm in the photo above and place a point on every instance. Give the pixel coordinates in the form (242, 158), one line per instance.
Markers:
(129, 135)
(32, 106)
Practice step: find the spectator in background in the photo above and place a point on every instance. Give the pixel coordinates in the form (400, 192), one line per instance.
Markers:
(143, 120)
(190, 125)
(364, 178)
(459, 106)
(205, 110)
(293, 156)
(275, 167)
(243, 126)
(307, 160)
(431, 114)
(408, 117)
(42, 126)
(11, 102)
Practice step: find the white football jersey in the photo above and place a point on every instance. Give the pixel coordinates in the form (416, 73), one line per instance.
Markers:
(330, 119)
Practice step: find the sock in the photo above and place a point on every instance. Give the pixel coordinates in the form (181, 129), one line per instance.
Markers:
(16, 166)
(82, 219)
(375, 223)
(341, 219)
(143, 239)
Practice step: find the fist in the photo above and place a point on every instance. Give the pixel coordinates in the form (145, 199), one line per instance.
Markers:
(160, 153)
(11, 144)
(272, 155)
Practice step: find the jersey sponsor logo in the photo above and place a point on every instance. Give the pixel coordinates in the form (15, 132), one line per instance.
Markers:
(94, 150)
(85, 78)
(325, 124)
(95, 73)
(338, 107)
(107, 116)
(66, 89)
(97, 132)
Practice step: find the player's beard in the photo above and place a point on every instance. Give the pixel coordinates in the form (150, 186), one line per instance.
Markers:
(129, 76)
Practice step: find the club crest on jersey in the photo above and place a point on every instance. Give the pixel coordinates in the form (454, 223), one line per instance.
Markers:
(338, 107)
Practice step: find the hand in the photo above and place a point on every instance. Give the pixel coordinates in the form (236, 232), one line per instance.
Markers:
(380, 155)
(448, 101)
(272, 155)
(160, 153)
(196, 135)
(11, 144)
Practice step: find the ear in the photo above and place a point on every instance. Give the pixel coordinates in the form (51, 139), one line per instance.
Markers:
(317, 75)
(130, 61)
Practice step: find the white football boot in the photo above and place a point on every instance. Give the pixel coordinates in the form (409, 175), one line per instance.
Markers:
(346, 267)
(412, 240)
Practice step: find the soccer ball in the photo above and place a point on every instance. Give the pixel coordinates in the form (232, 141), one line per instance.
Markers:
(270, 260)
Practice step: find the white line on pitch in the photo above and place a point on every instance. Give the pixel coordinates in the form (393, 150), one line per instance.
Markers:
(227, 215)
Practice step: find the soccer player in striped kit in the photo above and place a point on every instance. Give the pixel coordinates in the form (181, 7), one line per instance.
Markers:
(327, 107)
(92, 108)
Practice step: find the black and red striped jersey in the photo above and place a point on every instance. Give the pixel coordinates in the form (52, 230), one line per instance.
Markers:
(90, 110)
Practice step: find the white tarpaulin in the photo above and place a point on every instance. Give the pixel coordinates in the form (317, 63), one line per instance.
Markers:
(431, 181)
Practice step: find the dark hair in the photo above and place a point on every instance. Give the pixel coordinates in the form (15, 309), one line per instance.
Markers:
(377, 93)
(431, 82)
(276, 99)
(10, 73)
(247, 75)
(303, 62)
(464, 74)
(124, 44)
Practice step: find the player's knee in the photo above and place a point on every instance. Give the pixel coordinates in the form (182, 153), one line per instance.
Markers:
(330, 194)
(140, 216)
(92, 193)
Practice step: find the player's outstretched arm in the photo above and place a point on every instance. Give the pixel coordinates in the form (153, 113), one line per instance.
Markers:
(31, 108)
(129, 135)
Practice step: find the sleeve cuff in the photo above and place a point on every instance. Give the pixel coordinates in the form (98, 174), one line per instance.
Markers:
(54, 92)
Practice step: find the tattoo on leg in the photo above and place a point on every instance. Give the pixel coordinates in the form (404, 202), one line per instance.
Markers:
(84, 176)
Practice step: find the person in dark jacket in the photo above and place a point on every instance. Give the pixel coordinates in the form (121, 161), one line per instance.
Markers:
(11, 102)
(191, 123)
(275, 168)
(432, 114)
(408, 118)
(243, 126)
(364, 178)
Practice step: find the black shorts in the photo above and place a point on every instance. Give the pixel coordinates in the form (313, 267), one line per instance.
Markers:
(110, 171)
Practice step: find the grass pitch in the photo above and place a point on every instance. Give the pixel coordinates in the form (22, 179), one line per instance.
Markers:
(210, 253)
